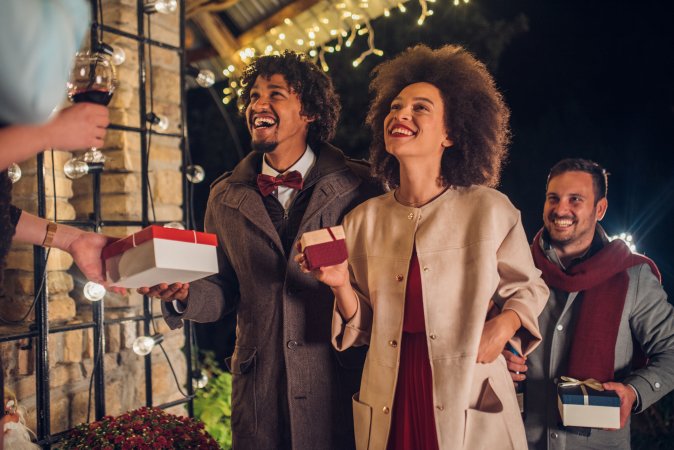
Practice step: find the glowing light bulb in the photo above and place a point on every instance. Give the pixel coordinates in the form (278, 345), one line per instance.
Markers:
(195, 174)
(93, 155)
(14, 173)
(160, 6)
(206, 78)
(200, 380)
(143, 345)
(118, 56)
(159, 120)
(387, 13)
(75, 168)
(175, 225)
(93, 291)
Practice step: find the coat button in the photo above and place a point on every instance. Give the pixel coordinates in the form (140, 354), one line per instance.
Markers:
(433, 336)
(656, 385)
(440, 407)
(385, 410)
(426, 269)
(400, 277)
(554, 435)
(292, 345)
(560, 327)
(555, 380)
(393, 344)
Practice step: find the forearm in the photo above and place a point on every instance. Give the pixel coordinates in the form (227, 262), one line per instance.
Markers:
(18, 143)
(346, 300)
(32, 230)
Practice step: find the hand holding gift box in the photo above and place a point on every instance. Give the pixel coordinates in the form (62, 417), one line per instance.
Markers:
(324, 247)
(587, 404)
(157, 255)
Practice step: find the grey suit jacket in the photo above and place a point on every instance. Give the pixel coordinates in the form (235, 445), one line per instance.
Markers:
(283, 363)
(647, 321)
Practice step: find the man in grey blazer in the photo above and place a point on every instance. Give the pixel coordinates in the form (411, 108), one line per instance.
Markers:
(291, 390)
(606, 314)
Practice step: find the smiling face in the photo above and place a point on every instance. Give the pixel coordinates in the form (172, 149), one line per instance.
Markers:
(415, 125)
(570, 215)
(274, 116)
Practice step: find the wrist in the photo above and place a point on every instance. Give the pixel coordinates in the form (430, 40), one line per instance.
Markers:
(511, 322)
(65, 236)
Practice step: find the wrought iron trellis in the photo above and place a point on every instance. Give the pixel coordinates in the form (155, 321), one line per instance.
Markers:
(41, 329)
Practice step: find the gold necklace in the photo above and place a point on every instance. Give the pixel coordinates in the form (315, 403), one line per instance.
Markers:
(418, 204)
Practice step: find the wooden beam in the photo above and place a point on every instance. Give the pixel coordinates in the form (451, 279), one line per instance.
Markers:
(194, 7)
(219, 36)
(291, 10)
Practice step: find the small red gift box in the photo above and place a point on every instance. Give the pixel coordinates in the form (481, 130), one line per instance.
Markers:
(157, 255)
(324, 247)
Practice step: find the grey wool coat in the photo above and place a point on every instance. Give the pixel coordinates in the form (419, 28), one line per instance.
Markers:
(647, 321)
(283, 363)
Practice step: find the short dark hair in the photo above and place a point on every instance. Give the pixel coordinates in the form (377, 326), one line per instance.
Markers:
(314, 88)
(598, 173)
(476, 116)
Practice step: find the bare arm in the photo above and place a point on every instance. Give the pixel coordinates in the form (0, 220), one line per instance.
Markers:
(84, 246)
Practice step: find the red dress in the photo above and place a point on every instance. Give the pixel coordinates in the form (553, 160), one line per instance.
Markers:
(413, 420)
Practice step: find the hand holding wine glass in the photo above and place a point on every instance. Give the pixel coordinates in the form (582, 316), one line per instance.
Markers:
(92, 80)
(78, 126)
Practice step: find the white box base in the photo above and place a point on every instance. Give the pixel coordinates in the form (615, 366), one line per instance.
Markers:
(590, 416)
(161, 261)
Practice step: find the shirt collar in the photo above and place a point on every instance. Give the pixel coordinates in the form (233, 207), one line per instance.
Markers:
(599, 240)
(303, 165)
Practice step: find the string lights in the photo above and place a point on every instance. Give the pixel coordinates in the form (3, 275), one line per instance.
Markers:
(327, 27)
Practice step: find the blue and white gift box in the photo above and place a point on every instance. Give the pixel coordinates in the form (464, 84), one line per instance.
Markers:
(587, 404)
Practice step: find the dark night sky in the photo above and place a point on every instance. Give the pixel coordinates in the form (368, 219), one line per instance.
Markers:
(596, 80)
(586, 78)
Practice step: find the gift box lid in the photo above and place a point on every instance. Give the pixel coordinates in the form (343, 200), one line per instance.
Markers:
(573, 395)
(157, 232)
(321, 236)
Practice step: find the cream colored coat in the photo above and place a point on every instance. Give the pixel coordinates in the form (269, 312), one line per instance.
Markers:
(471, 249)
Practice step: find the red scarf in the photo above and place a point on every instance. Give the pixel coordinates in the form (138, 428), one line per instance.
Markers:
(603, 281)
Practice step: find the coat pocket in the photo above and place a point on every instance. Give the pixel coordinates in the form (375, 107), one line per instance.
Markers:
(485, 423)
(362, 422)
(242, 365)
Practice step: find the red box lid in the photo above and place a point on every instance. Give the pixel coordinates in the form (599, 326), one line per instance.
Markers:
(157, 232)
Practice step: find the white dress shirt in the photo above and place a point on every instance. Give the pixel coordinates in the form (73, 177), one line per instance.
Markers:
(284, 194)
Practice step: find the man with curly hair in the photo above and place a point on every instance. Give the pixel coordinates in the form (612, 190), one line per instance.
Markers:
(290, 387)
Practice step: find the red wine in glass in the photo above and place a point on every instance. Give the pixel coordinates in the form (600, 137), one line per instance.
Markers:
(98, 96)
(92, 80)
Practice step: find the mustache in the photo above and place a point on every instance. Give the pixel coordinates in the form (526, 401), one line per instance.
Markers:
(554, 216)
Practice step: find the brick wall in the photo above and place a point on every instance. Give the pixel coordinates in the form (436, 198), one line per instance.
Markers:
(71, 353)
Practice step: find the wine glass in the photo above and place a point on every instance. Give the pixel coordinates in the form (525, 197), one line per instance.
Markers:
(92, 80)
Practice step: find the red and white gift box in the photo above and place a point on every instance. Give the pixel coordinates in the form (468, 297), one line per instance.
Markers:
(324, 247)
(157, 255)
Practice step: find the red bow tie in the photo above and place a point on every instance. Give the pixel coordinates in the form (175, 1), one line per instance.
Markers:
(268, 184)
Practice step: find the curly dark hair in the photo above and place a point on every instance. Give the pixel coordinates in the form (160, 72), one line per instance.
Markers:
(314, 88)
(476, 116)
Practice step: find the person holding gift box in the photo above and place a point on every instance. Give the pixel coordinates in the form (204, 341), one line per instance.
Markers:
(427, 260)
(606, 309)
(290, 388)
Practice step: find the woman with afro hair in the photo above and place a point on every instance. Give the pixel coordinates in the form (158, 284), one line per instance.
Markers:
(431, 258)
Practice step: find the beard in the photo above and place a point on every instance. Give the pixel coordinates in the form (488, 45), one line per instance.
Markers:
(263, 147)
